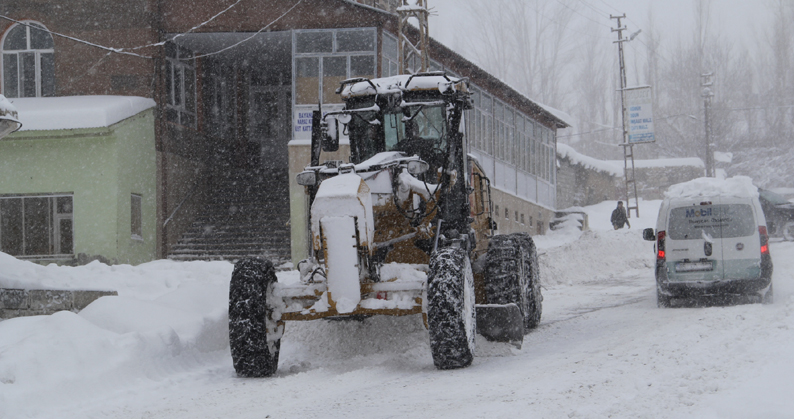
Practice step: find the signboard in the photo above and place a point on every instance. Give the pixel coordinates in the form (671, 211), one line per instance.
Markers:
(639, 107)
(302, 120)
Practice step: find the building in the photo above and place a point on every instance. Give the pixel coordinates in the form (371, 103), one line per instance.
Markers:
(584, 180)
(232, 83)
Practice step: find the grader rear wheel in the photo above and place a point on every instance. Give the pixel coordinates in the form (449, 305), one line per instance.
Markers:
(511, 272)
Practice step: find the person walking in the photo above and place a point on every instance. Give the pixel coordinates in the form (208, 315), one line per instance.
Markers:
(619, 216)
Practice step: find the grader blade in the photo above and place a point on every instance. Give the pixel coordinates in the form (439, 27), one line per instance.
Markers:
(501, 323)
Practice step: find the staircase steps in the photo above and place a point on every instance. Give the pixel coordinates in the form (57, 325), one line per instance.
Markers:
(247, 215)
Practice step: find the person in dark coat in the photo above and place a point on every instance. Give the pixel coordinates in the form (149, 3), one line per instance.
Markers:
(619, 216)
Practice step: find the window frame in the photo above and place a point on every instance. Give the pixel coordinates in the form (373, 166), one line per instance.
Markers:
(54, 226)
(334, 52)
(37, 53)
(181, 65)
(136, 214)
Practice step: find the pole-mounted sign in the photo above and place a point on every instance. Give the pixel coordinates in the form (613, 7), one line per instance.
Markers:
(639, 106)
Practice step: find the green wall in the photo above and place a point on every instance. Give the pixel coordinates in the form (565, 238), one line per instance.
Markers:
(101, 167)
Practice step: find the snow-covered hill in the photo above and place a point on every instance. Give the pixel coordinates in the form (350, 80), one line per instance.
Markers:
(159, 349)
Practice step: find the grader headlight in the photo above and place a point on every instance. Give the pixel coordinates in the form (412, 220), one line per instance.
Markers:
(307, 178)
(417, 167)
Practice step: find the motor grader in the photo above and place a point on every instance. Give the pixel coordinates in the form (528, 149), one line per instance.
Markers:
(405, 227)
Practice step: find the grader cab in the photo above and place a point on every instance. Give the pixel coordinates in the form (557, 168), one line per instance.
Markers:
(404, 227)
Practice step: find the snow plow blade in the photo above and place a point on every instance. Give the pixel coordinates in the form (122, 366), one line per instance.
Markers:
(501, 323)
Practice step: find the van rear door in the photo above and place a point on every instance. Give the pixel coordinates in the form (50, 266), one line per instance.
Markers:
(693, 243)
(741, 244)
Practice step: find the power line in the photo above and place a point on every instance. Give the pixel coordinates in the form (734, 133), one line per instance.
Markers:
(111, 49)
(583, 15)
(127, 51)
(252, 36)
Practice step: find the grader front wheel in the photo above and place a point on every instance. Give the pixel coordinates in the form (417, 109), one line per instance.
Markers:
(450, 308)
(254, 337)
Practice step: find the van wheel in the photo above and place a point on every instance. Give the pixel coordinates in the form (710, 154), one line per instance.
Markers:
(769, 297)
(662, 301)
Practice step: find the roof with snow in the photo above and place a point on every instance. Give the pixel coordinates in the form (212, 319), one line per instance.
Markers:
(72, 112)
(615, 167)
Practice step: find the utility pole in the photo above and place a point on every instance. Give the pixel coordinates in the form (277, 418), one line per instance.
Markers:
(628, 148)
(707, 95)
(409, 52)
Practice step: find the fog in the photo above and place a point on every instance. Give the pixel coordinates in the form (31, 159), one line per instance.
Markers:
(563, 54)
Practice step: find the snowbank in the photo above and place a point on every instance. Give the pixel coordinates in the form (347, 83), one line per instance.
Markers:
(71, 112)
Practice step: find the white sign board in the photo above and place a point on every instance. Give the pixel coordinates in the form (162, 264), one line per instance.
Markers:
(639, 107)
(302, 119)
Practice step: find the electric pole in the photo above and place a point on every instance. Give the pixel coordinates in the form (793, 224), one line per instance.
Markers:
(628, 148)
(411, 53)
(707, 95)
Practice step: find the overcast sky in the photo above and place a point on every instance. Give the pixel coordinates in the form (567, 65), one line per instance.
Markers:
(736, 19)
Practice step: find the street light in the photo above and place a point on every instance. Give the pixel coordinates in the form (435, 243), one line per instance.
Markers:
(9, 121)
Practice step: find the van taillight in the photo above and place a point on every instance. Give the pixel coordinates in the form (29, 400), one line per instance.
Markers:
(764, 240)
(660, 245)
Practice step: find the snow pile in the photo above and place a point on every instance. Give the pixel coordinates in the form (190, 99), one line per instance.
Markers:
(738, 186)
(71, 112)
(168, 317)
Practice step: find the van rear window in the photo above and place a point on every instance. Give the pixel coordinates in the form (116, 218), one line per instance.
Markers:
(717, 221)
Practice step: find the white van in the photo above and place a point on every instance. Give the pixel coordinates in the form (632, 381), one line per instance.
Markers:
(711, 239)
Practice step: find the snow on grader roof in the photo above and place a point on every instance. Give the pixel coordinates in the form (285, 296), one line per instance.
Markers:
(737, 186)
(358, 87)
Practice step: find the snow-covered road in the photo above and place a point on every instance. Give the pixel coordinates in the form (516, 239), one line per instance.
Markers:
(603, 350)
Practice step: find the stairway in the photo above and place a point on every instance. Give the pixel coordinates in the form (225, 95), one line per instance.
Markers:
(247, 215)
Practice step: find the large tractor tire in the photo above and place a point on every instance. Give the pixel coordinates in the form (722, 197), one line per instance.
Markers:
(511, 276)
(450, 308)
(254, 336)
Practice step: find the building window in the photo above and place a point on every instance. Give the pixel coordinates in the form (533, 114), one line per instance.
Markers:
(28, 61)
(180, 85)
(522, 219)
(136, 217)
(324, 58)
(36, 226)
(496, 210)
(507, 214)
(516, 216)
(391, 56)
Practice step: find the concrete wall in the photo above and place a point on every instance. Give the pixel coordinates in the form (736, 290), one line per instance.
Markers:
(101, 167)
(578, 185)
(22, 302)
(536, 218)
(137, 168)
